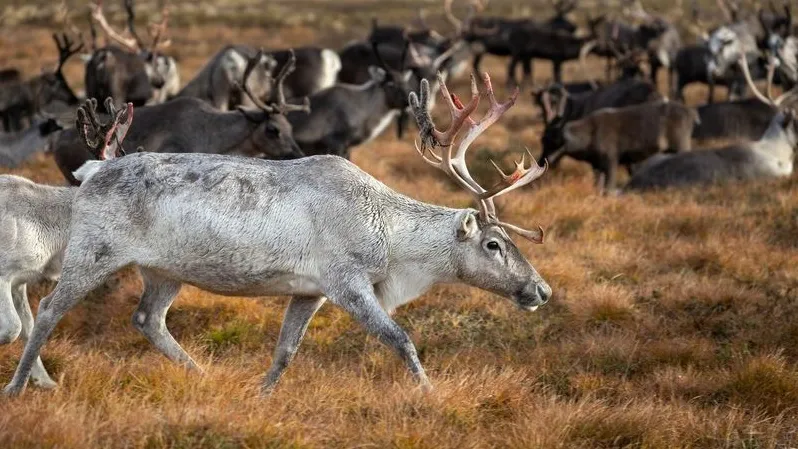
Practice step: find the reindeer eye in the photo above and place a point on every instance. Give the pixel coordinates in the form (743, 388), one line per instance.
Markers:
(493, 245)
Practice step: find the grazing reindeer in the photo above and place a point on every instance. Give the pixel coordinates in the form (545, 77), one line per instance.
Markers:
(505, 37)
(34, 228)
(132, 72)
(21, 100)
(613, 136)
(769, 157)
(383, 252)
(189, 125)
(344, 115)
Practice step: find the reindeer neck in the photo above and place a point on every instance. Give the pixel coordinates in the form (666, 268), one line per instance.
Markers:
(234, 129)
(420, 252)
(421, 234)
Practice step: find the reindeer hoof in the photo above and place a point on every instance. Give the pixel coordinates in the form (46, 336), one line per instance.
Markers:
(11, 390)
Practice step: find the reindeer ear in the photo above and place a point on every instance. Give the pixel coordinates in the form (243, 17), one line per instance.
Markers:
(467, 226)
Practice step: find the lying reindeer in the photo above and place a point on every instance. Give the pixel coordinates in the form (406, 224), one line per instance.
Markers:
(189, 125)
(315, 228)
(743, 119)
(620, 136)
(34, 228)
(769, 157)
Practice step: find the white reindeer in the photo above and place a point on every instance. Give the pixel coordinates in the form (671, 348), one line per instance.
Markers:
(34, 228)
(771, 156)
(316, 228)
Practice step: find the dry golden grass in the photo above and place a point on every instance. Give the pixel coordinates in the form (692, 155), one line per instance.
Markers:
(672, 323)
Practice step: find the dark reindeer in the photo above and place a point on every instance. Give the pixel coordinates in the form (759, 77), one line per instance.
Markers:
(625, 136)
(21, 100)
(428, 44)
(745, 119)
(189, 125)
(772, 155)
(492, 35)
(556, 102)
(131, 72)
(345, 115)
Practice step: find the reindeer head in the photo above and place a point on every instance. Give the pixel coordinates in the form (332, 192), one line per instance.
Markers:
(52, 86)
(161, 69)
(776, 22)
(484, 256)
(274, 137)
(560, 20)
(396, 84)
(629, 60)
(725, 49)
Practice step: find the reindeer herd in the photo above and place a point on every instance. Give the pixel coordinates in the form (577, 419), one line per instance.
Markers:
(239, 181)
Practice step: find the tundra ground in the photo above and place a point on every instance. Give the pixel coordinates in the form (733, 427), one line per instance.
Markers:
(672, 323)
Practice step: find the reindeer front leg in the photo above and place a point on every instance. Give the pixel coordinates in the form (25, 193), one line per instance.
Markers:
(359, 300)
(610, 182)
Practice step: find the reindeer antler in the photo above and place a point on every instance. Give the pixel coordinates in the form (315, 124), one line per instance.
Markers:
(65, 49)
(455, 166)
(110, 134)
(97, 14)
(133, 43)
(281, 106)
(158, 30)
(743, 62)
